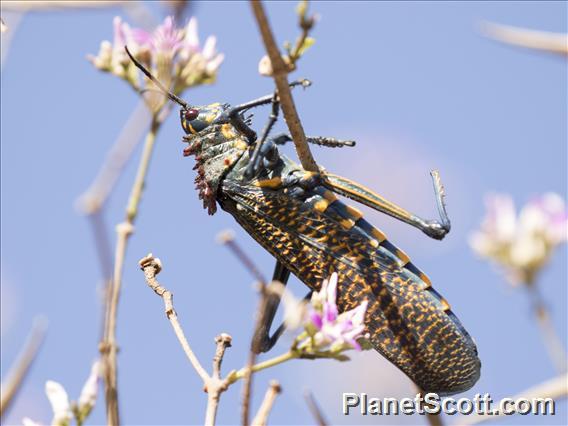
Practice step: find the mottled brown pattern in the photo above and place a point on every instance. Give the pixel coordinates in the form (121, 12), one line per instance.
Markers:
(408, 321)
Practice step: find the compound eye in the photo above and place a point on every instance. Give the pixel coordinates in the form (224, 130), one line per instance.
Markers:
(191, 114)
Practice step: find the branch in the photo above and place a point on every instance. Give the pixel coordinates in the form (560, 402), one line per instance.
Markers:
(554, 388)
(552, 341)
(261, 418)
(214, 385)
(151, 267)
(227, 238)
(25, 359)
(432, 419)
(315, 409)
(531, 39)
(95, 197)
(253, 353)
(306, 24)
(124, 230)
(280, 71)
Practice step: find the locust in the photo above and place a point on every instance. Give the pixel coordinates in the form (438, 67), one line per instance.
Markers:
(297, 217)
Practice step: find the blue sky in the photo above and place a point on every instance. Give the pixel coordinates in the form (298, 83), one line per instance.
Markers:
(414, 83)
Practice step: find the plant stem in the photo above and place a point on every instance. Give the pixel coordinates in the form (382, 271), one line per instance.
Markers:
(21, 367)
(261, 418)
(124, 230)
(236, 375)
(552, 341)
(212, 405)
(280, 74)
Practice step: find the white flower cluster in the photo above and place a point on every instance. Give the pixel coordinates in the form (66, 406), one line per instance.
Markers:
(522, 244)
(173, 55)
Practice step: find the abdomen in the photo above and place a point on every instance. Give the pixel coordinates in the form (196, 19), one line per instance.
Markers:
(408, 321)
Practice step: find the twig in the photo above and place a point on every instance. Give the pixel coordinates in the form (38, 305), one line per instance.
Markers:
(280, 74)
(124, 230)
(95, 197)
(227, 238)
(552, 341)
(253, 354)
(261, 418)
(233, 376)
(306, 24)
(214, 385)
(432, 419)
(554, 388)
(18, 372)
(151, 267)
(314, 408)
(531, 39)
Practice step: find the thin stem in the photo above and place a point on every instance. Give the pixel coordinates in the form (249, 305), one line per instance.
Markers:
(140, 181)
(18, 372)
(96, 196)
(287, 356)
(124, 230)
(247, 380)
(315, 409)
(247, 388)
(551, 339)
(433, 419)
(212, 406)
(213, 385)
(227, 238)
(261, 418)
(280, 74)
(556, 388)
(223, 342)
(530, 39)
(306, 25)
(151, 267)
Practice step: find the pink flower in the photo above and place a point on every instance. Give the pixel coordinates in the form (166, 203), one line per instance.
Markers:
(329, 329)
(172, 54)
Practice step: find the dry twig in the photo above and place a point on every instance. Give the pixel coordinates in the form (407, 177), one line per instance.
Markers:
(530, 39)
(261, 418)
(109, 346)
(96, 196)
(228, 239)
(552, 341)
(25, 359)
(554, 388)
(214, 385)
(315, 409)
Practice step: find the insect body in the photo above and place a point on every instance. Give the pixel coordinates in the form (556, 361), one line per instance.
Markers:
(296, 216)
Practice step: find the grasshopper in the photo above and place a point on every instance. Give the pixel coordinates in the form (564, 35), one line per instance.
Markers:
(296, 216)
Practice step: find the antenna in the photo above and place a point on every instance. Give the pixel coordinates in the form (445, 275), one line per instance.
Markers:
(170, 95)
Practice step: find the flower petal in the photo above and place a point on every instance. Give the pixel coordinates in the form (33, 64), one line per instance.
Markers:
(59, 402)
(88, 396)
